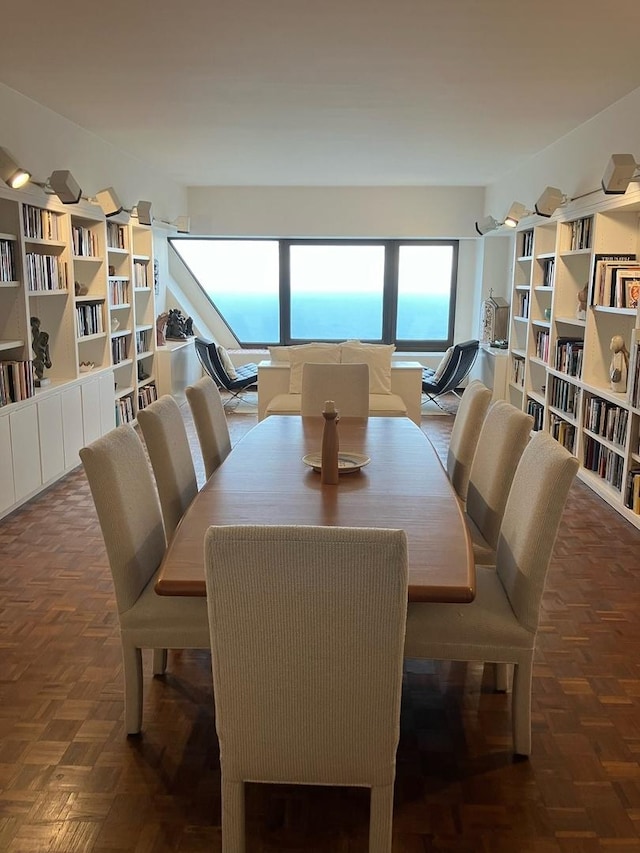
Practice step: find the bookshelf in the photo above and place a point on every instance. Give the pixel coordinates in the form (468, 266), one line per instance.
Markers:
(75, 271)
(559, 346)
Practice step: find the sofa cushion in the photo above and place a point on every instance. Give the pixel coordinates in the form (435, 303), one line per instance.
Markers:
(309, 353)
(228, 365)
(389, 405)
(440, 369)
(279, 354)
(377, 356)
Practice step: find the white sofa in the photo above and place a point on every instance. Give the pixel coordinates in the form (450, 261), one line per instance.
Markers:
(277, 395)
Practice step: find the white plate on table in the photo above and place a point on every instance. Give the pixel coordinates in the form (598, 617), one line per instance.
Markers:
(347, 462)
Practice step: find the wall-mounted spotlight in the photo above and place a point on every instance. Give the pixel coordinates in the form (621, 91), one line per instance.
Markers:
(143, 212)
(488, 223)
(515, 214)
(63, 184)
(12, 174)
(620, 172)
(108, 201)
(183, 224)
(549, 201)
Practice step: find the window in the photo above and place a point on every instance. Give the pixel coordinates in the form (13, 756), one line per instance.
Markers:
(293, 291)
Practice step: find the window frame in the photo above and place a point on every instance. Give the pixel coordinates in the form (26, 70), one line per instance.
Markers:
(389, 289)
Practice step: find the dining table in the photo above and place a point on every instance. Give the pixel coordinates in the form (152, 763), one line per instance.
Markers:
(264, 481)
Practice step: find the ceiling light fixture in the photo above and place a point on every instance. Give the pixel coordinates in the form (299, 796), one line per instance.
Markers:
(143, 211)
(620, 172)
(63, 184)
(108, 201)
(11, 173)
(551, 199)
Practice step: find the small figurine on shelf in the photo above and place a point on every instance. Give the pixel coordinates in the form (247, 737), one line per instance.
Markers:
(80, 289)
(161, 322)
(188, 327)
(619, 364)
(176, 323)
(40, 347)
(581, 310)
(142, 374)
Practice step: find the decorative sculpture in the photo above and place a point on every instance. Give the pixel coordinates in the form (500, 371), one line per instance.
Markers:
(40, 347)
(178, 326)
(581, 310)
(619, 364)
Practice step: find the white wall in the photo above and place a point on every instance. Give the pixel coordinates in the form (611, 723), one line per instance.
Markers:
(42, 141)
(574, 163)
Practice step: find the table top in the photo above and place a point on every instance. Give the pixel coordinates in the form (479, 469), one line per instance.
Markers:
(264, 481)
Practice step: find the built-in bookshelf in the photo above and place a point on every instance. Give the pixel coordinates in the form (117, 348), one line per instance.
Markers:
(576, 278)
(72, 271)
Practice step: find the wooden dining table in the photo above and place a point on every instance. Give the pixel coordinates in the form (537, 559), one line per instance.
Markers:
(265, 481)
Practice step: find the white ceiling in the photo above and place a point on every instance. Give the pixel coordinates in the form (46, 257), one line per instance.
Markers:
(295, 92)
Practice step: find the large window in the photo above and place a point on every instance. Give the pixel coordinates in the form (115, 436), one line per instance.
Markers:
(292, 291)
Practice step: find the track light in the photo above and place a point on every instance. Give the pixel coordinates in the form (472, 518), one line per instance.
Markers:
(515, 214)
(483, 226)
(12, 174)
(549, 201)
(143, 211)
(620, 172)
(63, 184)
(108, 201)
(183, 224)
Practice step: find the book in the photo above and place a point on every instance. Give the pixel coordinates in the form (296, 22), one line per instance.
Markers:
(599, 272)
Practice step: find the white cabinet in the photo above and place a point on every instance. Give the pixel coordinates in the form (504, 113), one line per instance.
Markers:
(51, 437)
(178, 367)
(107, 403)
(72, 431)
(7, 494)
(25, 446)
(91, 412)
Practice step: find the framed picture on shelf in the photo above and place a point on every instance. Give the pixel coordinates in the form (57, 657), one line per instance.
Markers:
(632, 291)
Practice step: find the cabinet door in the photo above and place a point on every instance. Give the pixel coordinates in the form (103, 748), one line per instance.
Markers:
(107, 403)
(26, 450)
(7, 495)
(72, 429)
(50, 435)
(91, 414)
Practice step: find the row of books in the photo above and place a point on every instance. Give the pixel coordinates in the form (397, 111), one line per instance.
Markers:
(116, 236)
(616, 281)
(143, 341)
(118, 292)
(119, 348)
(527, 244)
(605, 462)
(85, 242)
(140, 274)
(124, 410)
(536, 410)
(524, 304)
(146, 395)
(16, 381)
(548, 272)
(7, 261)
(45, 272)
(580, 234)
(542, 345)
(517, 372)
(563, 432)
(606, 419)
(632, 490)
(40, 224)
(633, 378)
(89, 319)
(565, 396)
(569, 354)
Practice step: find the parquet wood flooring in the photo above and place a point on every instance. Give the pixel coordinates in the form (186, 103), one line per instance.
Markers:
(71, 782)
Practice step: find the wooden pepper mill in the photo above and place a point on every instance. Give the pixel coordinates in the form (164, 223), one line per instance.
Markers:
(329, 469)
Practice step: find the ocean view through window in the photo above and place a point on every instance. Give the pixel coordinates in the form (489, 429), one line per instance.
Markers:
(272, 291)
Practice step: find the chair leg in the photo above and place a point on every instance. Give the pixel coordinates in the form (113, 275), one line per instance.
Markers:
(521, 707)
(502, 677)
(159, 661)
(381, 819)
(232, 817)
(431, 399)
(132, 664)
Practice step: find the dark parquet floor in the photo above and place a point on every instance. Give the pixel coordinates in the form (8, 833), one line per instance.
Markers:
(71, 782)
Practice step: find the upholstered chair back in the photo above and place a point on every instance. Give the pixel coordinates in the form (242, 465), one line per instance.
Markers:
(465, 433)
(504, 435)
(210, 421)
(307, 634)
(346, 384)
(530, 524)
(168, 446)
(128, 510)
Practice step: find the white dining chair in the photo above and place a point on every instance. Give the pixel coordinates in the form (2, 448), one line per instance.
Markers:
(210, 421)
(129, 513)
(346, 384)
(165, 436)
(503, 436)
(500, 624)
(465, 433)
(307, 631)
